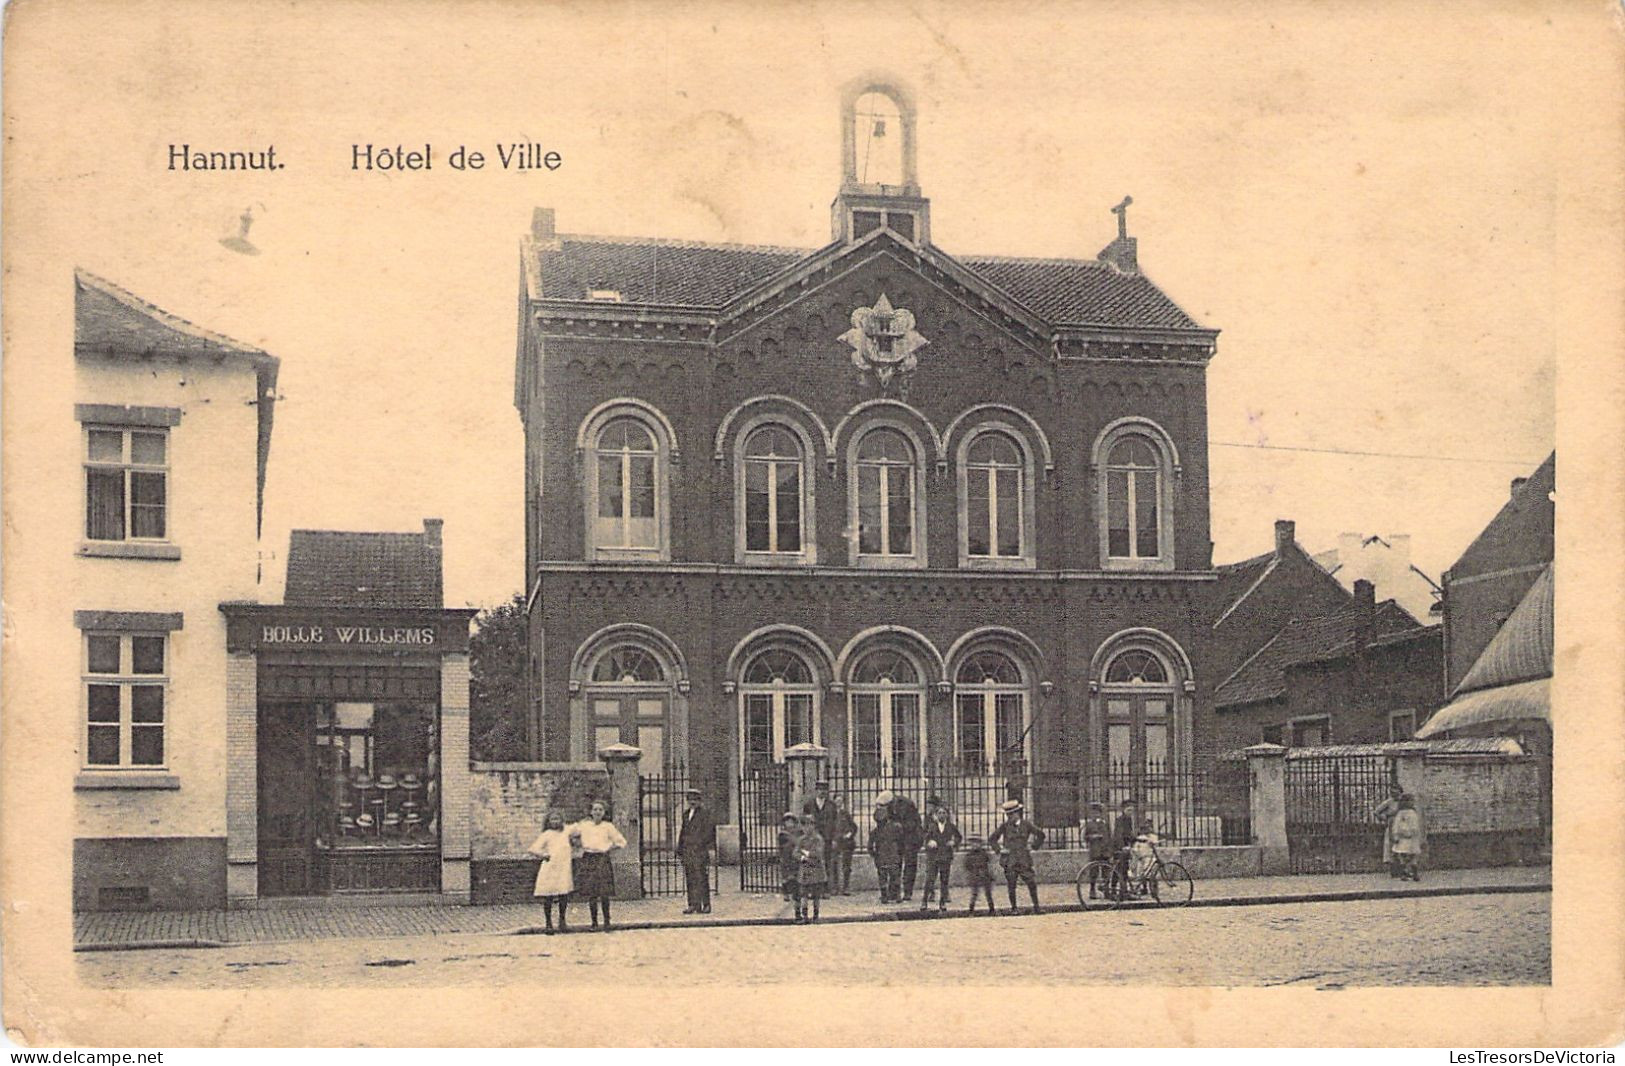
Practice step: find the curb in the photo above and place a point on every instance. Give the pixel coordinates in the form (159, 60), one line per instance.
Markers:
(892, 916)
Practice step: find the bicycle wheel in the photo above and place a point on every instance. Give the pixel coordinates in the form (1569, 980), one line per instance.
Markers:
(1095, 885)
(1172, 886)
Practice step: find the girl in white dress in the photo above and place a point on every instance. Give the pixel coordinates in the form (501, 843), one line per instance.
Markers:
(553, 878)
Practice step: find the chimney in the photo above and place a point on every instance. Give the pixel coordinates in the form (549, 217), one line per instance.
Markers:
(431, 534)
(1517, 483)
(1286, 534)
(541, 224)
(1365, 593)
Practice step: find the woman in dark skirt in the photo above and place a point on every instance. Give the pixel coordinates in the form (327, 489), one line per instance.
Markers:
(594, 877)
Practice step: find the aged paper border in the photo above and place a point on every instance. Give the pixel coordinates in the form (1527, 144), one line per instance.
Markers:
(44, 1004)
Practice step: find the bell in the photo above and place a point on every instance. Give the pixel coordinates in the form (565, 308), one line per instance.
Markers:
(880, 127)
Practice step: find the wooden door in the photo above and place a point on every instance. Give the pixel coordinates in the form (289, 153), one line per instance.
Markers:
(285, 791)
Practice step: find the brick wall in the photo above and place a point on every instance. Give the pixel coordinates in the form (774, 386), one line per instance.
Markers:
(242, 775)
(508, 802)
(1462, 795)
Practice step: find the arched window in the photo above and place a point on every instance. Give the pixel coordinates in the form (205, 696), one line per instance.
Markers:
(778, 704)
(990, 712)
(1139, 703)
(774, 491)
(1134, 500)
(626, 495)
(629, 696)
(886, 714)
(995, 498)
(886, 495)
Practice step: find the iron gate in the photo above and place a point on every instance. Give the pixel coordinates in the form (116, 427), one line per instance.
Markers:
(1331, 800)
(764, 796)
(660, 812)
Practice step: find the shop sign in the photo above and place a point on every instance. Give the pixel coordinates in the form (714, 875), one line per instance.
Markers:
(342, 636)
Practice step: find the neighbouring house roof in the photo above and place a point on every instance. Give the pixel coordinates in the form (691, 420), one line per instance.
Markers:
(1437, 748)
(707, 277)
(114, 323)
(331, 568)
(1237, 580)
(1504, 541)
(1309, 639)
(1521, 649)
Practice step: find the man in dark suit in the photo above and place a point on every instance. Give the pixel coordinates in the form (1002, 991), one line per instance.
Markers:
(828, 820)
(907, 816)
(694, 843)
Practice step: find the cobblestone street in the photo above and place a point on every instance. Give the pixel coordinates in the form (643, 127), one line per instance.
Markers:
(1454, 940)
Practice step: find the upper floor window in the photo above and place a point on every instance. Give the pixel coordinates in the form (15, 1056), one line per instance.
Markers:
(996, 492)
(126, 484)
(627, 452)
(773, 476)
(1136, 464)
(126, 681)
(887, 497)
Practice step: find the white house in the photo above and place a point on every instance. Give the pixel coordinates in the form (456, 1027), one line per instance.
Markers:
(1386, 563)
(174, 433)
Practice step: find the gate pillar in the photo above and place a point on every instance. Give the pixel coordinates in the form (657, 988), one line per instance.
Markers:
(1410, 773)
(621, 760)
(1266, 765)
(806, 765)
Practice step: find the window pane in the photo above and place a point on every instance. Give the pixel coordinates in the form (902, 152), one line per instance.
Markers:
(104, 504)
(797, 719)
(1009, 484)
(756, 513)
(103, 746)
(605, 735)
(1117, 514)
(1145, 515)
(147, 492)
(900, 513)
(866, 733)
(886, 444)
(107, 445)
(869, 510)
(758, 730)
(976, 506)
(147, 746)
(1007, 712)
(1118, 745)
(104, 703)
(972, 730)
(609, 486)
(147, 654)
(102, 654)
(643, 486)
(147, 448)
(789, 507)
(1156, 747)
(147, 703)
(905, 733)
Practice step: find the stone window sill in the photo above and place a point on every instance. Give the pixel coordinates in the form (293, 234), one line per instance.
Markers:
(147, 779)
(889, 562)
(1002, 562)
(114, 549)
(1144, 566)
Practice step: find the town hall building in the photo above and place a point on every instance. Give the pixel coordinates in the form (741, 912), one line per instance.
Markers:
(912, 506)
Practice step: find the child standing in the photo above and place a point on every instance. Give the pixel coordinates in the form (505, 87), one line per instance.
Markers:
(1096, 837)
(789, 863)
(553, 880)
(979, 871)
(886, 845)
(1408, 838)
(812, 872)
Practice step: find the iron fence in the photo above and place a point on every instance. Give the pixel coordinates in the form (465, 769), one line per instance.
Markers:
(1331, 820)
(660, 813)
(764, 797)
(1190, 807)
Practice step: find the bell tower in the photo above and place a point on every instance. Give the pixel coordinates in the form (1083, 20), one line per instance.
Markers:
(880, 185)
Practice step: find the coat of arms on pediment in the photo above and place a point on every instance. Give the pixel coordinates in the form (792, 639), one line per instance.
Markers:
(883, 339)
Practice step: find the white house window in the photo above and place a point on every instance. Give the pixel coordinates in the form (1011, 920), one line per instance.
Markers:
(626, 462)
(1133, 500)
(990, 711)
(995, 498)
(773, 491)
(779, 703)
(126, 684)
(887, 709)
(126, 483)
(886, 494)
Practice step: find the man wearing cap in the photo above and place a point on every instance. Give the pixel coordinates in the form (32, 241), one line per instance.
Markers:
(827, 820)
(1016, 839)
(695, 840)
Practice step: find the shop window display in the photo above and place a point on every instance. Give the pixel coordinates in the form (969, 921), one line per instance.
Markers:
(377, 786)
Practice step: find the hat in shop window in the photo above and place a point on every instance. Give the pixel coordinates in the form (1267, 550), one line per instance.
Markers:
(386, 781)
(411, 781)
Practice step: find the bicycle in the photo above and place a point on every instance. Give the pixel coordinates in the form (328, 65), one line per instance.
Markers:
(1103, 883)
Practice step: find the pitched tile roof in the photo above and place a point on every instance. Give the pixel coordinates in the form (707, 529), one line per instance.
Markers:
(1302, 640)
(330, 568)
(702, 276)
(114, 321)
(1235, 580)
(1521, 649)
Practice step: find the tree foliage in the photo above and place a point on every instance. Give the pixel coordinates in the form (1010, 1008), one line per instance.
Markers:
(497, 662)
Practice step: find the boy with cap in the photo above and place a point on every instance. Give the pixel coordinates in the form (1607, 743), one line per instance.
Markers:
(694, 843)
(789, 860)
(979, 872)
(1016, 839)
(1096, 835)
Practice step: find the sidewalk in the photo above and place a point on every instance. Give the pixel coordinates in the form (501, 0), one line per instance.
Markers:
(107, 931)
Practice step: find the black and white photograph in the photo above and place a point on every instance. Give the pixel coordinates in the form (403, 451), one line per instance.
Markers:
(1043, 511)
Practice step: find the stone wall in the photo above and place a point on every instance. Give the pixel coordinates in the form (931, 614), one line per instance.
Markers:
(1481, 811)
(508, 805)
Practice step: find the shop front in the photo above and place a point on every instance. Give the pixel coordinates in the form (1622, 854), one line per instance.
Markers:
(358, 726)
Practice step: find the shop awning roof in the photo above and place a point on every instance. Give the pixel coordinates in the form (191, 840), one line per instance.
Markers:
(1493, 708)
(1522, 649)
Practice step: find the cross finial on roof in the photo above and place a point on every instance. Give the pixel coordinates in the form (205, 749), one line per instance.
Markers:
(1121, 211)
